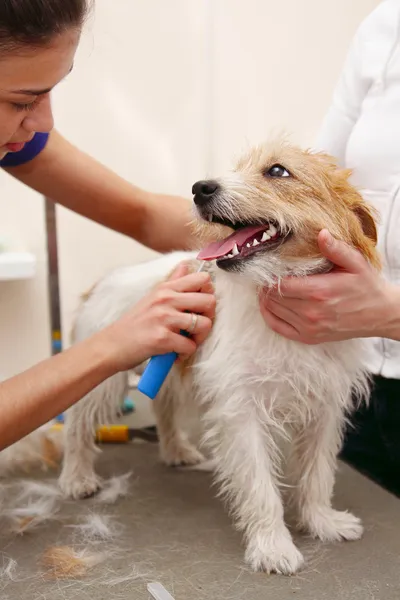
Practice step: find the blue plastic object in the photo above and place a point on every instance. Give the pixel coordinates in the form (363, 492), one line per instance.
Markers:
(128, 405)
(155, 374)
(157, 369)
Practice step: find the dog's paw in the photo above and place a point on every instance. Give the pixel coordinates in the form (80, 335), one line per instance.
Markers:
(331, 525)
(181, 455)
(273, 552)
(208, 466)
(79, 487)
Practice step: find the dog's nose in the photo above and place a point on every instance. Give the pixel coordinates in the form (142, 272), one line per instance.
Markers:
(203, 191)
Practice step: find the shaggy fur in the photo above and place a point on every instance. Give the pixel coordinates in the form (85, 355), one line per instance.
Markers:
(253, 389)
(42, 448)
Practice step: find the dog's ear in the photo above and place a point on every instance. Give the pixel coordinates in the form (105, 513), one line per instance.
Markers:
(366, 214)
(367, 220)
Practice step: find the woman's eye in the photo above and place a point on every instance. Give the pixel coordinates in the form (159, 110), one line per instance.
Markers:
(21, 107)
(277, 171)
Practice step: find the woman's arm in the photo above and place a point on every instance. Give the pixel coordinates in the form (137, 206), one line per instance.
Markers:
(78, 182)
(39, 394)
(351, 88)
(151, 327)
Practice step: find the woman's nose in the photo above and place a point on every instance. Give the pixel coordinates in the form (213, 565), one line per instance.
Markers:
(41, 118)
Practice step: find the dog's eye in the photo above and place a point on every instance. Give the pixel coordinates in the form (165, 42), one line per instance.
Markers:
(277, 171)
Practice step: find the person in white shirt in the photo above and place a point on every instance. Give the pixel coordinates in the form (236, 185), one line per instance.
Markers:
(362, 130)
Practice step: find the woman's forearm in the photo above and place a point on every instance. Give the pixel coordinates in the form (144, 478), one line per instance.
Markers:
(39, 394)
(149, 328)
(78, 182)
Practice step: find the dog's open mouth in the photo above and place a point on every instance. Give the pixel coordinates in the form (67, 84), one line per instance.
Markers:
(246, 241)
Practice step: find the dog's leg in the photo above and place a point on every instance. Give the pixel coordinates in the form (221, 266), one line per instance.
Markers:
(312, 469)
(169, 407)
(78, 478)
(247, 463)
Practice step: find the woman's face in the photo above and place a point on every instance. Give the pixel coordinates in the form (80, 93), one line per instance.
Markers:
(26, 78)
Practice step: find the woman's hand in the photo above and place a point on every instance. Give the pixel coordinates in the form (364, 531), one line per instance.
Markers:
(351, 301)
(152, 326)
(37, 395)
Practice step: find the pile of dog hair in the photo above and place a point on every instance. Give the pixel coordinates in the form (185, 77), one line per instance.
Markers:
(27, 505)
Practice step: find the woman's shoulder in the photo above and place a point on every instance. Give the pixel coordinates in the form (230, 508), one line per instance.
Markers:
(384, 20)
(375, 41)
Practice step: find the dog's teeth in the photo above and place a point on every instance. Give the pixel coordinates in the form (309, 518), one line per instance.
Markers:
(265, 237)
(248, 246)
(255, 243)
(210, 218)
(235, 250)
(272, 230)
(229, 256)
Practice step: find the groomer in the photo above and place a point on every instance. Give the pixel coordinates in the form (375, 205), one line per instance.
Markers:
(38, 41)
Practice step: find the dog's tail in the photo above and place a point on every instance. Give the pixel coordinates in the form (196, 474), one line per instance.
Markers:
(42, 449)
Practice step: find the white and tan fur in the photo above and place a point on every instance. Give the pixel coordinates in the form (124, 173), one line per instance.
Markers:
(253, 388)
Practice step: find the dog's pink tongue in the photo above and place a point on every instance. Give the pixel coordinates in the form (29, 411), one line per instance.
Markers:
(218, 249)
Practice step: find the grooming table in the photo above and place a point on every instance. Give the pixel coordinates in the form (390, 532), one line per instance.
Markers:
(176, 532)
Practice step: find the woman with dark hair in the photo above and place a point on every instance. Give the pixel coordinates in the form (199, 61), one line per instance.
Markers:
(38, 41)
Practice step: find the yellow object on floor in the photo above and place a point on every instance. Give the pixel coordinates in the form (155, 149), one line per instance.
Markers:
(118, 434)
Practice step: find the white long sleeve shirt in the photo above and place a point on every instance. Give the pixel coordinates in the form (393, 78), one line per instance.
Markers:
(362, 130)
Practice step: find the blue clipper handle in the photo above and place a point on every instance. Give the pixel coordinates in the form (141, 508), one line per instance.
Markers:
(156, 372)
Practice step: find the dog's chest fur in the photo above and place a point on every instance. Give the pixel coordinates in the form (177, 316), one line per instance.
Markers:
(244, 361)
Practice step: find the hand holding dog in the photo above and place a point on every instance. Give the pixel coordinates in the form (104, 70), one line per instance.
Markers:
(153, 325)
(351, 301)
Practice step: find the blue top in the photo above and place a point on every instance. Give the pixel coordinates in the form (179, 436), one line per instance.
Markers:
(28, 152)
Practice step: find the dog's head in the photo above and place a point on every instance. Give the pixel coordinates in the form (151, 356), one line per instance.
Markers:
(276, 201)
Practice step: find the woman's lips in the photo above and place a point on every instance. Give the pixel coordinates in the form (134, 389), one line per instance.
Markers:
(15, 147)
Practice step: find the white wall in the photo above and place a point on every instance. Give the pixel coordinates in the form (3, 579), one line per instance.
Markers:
(166, 93)
(276, 64)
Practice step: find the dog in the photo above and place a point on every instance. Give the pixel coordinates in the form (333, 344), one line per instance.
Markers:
(254, 390)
